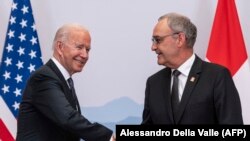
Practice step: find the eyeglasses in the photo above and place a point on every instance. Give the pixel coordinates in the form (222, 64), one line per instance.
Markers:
(158, 39)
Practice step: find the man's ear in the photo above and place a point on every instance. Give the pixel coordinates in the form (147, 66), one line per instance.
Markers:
(59, 47)
(181, 39)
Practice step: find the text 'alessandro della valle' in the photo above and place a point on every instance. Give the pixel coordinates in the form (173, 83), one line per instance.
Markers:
(185, 132)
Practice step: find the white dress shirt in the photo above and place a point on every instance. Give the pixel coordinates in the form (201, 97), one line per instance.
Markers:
(62, 70)
(184, 69)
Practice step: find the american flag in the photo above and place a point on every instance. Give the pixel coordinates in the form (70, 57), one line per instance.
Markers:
(21, 56)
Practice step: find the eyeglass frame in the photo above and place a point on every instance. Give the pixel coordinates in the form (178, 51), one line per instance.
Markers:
(158, 39)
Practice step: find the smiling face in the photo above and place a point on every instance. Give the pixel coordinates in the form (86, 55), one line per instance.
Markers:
(165, 45)
(72, 50)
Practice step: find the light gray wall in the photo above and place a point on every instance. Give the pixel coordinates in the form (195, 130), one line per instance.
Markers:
(121, 58)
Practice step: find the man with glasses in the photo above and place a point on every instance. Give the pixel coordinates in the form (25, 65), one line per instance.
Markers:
(188, 90)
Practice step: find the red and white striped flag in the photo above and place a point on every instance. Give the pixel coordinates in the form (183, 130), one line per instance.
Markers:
(21, 56)
(227, 47)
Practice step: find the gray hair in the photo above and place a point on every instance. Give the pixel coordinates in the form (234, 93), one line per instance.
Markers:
(63, 32)
(179, 23)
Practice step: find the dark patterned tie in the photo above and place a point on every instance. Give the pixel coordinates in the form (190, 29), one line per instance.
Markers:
(71, 84)
(175, 93)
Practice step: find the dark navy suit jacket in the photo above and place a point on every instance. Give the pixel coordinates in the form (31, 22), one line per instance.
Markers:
(48, 111)
(209, 97)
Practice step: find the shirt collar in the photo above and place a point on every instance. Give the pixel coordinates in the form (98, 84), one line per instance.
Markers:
(186, 66)
(61, 68)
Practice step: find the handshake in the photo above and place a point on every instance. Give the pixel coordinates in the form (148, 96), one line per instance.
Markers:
(113, 138)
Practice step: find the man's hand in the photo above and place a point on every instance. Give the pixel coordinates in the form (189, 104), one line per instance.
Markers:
(113, 138)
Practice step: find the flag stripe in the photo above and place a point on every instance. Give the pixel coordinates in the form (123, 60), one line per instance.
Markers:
(5, 134)
(21, 56)
(8, 119)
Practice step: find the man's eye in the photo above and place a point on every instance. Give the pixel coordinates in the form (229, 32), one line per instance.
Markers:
(157, 40)
(79, 47)
(88, 49)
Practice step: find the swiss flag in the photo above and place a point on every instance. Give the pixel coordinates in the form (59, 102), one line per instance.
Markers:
(227, 47)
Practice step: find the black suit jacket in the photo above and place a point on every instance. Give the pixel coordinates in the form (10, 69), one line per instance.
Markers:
(209, 97)
(48, 111)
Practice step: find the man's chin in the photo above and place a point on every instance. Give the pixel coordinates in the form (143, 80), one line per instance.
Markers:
(160, 63)
(79, 70)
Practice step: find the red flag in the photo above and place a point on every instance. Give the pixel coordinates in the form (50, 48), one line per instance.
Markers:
(227, 47)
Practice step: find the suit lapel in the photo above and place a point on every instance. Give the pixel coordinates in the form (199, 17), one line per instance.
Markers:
(166, 80)
(67, 91)
(192, 80)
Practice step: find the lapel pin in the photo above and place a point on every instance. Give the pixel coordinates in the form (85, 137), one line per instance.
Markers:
(192, 79)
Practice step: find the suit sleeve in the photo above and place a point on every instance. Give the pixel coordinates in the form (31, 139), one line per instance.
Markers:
(49, 98)
(227, 101)
(146, 118)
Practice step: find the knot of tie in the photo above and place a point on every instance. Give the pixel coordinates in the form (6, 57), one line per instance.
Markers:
(176, 73)
(71, 83)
